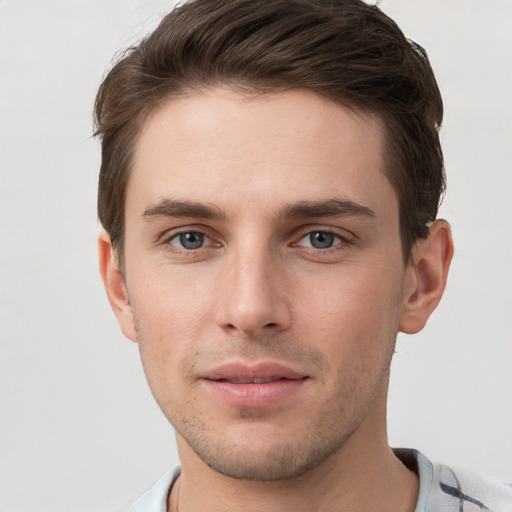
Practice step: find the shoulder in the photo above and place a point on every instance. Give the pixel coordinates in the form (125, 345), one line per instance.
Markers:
(447, 489)
(155, 500)
(459, 489)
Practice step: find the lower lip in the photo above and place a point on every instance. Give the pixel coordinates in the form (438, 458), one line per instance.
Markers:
(254, 395)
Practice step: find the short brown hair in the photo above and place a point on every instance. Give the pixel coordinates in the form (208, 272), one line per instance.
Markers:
(345, 50)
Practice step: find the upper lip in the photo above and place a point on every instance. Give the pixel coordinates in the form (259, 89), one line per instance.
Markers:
(245, 371)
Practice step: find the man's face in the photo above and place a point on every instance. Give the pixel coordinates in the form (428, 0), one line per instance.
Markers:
(265, 275)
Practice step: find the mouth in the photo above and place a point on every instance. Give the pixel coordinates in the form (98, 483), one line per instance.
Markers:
(257, 380)
(244, 373)
(253, 386)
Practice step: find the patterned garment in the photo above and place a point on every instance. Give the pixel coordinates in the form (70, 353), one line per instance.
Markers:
(445, 489)
(442, 489)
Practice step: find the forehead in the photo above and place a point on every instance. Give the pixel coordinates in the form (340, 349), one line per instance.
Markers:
(223, 147)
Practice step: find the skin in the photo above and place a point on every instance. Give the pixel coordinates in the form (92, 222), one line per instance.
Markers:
(256, 182)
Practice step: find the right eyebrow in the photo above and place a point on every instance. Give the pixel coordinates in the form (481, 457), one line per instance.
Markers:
(178, 208)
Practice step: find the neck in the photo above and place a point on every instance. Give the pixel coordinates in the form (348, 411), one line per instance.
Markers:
(355, 478)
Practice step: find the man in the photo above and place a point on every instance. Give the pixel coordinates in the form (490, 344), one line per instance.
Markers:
(271, 173)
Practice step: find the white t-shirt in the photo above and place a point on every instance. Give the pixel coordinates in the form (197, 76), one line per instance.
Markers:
(442, 489)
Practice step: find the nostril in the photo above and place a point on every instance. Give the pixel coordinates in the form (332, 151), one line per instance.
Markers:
(271, 324)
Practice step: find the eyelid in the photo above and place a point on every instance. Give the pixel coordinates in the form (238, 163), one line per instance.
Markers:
(170, 234)
(207, 241)
(335, 243)
(345, 236)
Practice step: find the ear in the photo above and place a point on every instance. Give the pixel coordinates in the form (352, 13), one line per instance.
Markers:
(426, 277)
(115, 286)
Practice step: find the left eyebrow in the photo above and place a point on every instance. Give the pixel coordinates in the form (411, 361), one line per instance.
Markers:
(330, 208)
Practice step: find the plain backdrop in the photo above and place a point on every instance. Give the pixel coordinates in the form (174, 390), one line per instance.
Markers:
(78, 427)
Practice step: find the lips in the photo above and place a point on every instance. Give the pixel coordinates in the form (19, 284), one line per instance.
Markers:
(241, 380)
(263, 370)
(253, 386)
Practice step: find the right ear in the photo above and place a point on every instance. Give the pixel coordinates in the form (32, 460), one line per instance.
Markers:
(115, 286)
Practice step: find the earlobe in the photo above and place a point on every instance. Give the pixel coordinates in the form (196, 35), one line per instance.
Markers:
(115, 286)
(426, 277)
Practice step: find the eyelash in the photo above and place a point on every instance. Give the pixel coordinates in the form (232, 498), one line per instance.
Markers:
(341, 240)
(342, 243)
(167, 240)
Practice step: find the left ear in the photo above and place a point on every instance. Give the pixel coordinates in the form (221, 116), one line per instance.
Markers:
(426, 276)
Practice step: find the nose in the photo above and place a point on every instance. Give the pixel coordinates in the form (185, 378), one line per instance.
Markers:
(252, 296)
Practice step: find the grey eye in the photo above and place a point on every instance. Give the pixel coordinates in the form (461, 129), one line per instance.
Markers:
(321, 239)
(191, 240)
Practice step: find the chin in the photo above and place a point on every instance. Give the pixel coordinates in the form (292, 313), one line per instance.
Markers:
(259, 460)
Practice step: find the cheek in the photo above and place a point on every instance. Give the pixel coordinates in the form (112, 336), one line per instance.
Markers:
(170, 317)
(354, 312)
(356, 293)
(169, 301)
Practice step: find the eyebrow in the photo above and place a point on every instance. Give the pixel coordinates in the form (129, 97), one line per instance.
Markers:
(176, 208)
(301, 209)
(330, 208)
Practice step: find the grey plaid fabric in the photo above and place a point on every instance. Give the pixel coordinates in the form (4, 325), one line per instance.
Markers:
(446, 489)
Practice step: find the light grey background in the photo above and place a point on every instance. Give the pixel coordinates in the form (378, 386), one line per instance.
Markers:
(79, 429)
